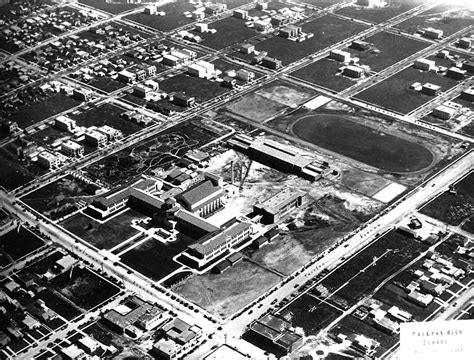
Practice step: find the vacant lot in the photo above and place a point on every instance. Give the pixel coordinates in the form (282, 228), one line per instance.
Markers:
(269, 101)
(378, 15)
(19, 242)
(155, 259)
(34, 112)
(60, 197)
(454, 208)
(387, 49)
(201, 89)
(160, 151)
(394, 93)
(367, 269)
(228, 292)
(362, 143)
(103, 235)
(173, 19)
(324, 73)
(310, 313)
(58, 304)
(230, 31)
(327, 31)
(112, 7)
(449, 17)
(84, 288)
(105, 114)
(14, 172)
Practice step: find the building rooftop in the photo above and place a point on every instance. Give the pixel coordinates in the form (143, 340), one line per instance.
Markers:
(273, 204)
(198, 193)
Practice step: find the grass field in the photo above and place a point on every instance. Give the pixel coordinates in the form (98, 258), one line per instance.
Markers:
(60, 197)
(449, 17)
(393, 48)
(173, 19)
(378, 15)
(17, 243)
(228, 292)
(230, 31)
(106, 84)
(393, 251)
(310, 313)
(394, 94)
(143, 157)
(373, 147)
(84, 288)
(105, 114)
(103, 235)
(14, 172)
(155, 259)
(327, 31)
(324, 73)
(453, 209)
(201, 89)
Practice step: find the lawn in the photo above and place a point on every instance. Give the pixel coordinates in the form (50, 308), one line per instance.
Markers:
(327, 30)
(226, 293)
(373, 147)
(103, 235)
(154, 259)
(451, 208)
(394, 94)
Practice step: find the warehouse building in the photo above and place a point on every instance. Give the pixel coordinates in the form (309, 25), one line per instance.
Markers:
(432, 33)
(465, 43)
(275, 155)
(126, 77)
(456, 73)
(271, 63)
(444, 112)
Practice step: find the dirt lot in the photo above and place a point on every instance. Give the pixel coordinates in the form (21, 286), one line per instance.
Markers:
(269, 101)
(226, 293)
(18, 243)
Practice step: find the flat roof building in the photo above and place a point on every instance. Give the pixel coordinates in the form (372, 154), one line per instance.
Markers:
(279, 205)
(72, 148)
